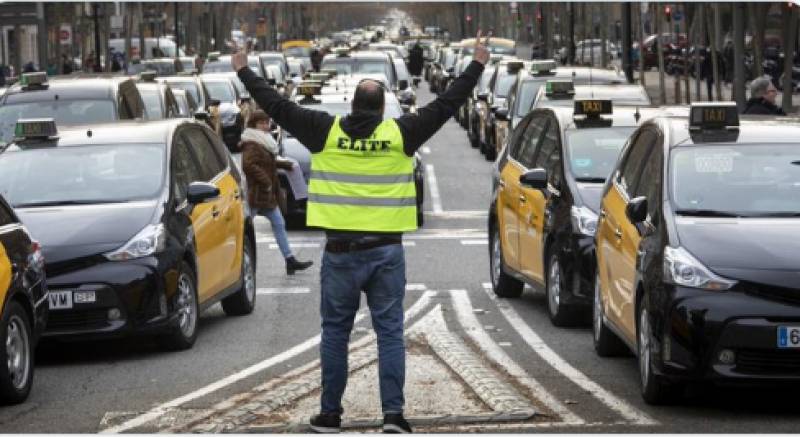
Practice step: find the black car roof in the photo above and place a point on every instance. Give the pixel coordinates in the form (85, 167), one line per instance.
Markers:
(67, 89)
(122, 132)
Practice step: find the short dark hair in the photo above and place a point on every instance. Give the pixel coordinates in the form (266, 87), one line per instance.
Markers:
(369, 97)
(256, 116)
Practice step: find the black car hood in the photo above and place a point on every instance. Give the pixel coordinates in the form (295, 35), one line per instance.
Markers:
(755, 250)
(71, 232)
(591, 194)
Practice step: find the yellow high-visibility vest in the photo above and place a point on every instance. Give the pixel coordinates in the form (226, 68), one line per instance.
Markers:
(363, 184)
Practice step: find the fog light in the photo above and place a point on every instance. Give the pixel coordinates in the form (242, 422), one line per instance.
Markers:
(727, 356)
(114, 314)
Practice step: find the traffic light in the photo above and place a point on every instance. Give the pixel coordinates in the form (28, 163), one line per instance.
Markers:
(668, 13)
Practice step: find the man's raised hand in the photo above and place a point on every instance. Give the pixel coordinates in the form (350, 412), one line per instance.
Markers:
(482, 54)
(239, 59)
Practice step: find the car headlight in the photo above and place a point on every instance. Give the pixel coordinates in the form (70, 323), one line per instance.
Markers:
(681, 268)
(150, 240)
(228, 118)
(584, 220)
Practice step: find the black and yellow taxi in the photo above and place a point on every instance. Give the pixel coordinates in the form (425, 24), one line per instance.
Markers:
(499, 86)
(23, 305)
(545, 202)
(697, 248)
(70, 100)
(142, 225)
(563, 93)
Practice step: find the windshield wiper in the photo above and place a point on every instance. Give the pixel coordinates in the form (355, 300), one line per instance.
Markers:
(67, 202)
(776, 214)
(707, 213)
(591, 180)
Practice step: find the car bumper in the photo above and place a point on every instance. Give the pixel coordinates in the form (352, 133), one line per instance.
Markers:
(699, 325)
(141, 290)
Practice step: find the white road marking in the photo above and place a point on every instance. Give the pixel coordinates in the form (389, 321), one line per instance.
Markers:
(426, 150)
(433, 186)
(312, 342)
(416, 287)
(474, 242)
(472, 326)
(410, 238)
(462, 214)
(296, 245)
(286, 290)
(626, 410)
(409, 244)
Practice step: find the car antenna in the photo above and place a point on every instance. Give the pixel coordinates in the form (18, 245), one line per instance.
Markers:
(637, 115)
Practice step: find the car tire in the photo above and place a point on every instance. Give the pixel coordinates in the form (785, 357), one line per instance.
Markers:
(243, 301)
(183, 335)
(16, 370)
(656, 390)
(503, 284)
(606, 343)
(560, 314)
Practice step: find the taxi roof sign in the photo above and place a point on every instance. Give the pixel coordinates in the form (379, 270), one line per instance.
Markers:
(331, 72)
(713, 115)
(559, 87)
(319, 77)
(309, 88)
(592, 108)
(148, 76)
(36, 79)
(30, 128)
(543, 66)
(213, 56)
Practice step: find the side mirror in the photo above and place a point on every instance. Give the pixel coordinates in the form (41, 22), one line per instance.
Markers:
(536, 178)
(451, 69)
(214, 102)
(636, 210)
(402, 84)
(483, 97)
(501, 114)
(201, 192)
(202, 115)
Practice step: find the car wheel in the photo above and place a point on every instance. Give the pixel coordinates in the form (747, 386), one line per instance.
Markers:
(656, 389)
(606, 343)
(243, 301)
(560, 314)
(503, 284)
(16, 355)
(183, 335)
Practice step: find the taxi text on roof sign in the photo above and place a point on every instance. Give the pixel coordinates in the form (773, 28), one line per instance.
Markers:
(35, 128)
(713, 115)
(33, 79)
(543, 66)
(593, 108)
(309, 88)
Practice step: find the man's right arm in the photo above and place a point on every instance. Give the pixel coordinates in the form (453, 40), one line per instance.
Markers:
(310, 127)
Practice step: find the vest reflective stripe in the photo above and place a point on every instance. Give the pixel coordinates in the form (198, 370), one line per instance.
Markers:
(377, 179)
(363, 185)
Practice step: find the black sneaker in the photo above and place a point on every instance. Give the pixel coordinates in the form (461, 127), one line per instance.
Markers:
(325, 423)
(395, 424)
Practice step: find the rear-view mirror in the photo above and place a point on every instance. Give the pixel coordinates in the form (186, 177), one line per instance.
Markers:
(201, 192)
(636, 210)
(536, 178)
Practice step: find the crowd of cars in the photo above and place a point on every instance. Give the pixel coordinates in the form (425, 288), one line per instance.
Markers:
(666, 228)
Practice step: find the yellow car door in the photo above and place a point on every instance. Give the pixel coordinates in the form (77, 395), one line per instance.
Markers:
(533, 200)
(618, 239)
(507, 205)
(5, 275)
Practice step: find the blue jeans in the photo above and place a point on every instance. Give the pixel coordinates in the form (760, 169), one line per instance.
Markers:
(278, 229)
(381, 273)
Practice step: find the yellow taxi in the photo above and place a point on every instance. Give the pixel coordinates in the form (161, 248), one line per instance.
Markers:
(143, 225)
(23, 305)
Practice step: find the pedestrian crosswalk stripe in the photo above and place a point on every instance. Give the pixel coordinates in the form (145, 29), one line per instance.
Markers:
(474, 242)
(297, 245)
(286, 290)
(416, 287)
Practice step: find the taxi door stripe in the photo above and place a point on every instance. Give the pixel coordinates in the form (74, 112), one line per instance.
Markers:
(538, 345)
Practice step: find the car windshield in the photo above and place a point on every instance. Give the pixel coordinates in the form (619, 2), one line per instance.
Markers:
(351, 66)
(486, 77)
(593, 152)
(162, 68)
(152, 103)
(217, 67)
(391, 109)
(503, 85)
(525, 96)
(742, 180)
(189, 87)
(298, 52)
(82, 174)
(222, 91)
(183, 104)
(64, 112)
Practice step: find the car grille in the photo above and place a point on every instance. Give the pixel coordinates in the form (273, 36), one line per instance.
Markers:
(786, 295)
(765, 361)
(77, 320)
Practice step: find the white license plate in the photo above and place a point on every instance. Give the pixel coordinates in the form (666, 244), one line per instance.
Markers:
(788, 336)
(60, 300)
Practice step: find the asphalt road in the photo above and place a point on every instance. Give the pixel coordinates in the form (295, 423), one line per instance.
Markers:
(130, 385)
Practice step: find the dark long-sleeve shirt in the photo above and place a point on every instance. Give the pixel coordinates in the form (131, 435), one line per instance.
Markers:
(311, 126)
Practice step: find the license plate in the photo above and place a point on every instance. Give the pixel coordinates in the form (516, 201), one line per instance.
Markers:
(60, 300)
(788, 336)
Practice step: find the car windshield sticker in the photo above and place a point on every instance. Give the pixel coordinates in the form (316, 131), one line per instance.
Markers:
(714, 162)
(582, 162)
